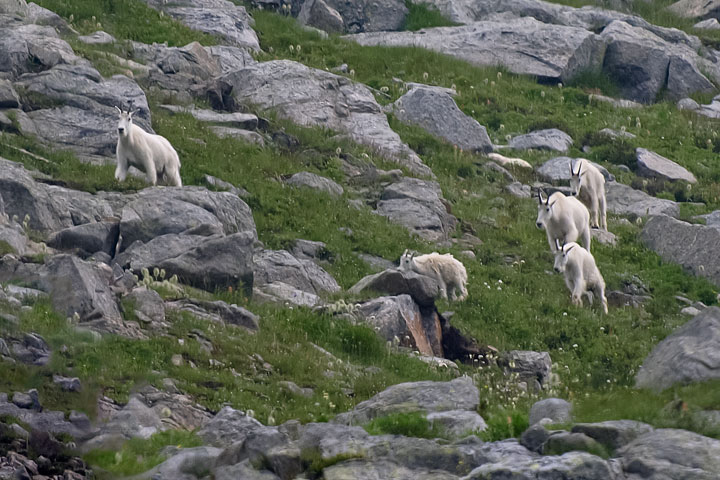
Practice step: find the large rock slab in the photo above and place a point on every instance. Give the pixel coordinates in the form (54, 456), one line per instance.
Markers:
(207, 262)
(419, 206)
(570, 465)
(672, 454)
(312, 97)
(522, 45)
(642, 64)
(84, 119)
(625, 200)
(653, 165)
(696, 8)
(83, 288)
(316, 182)
(437, 112)
(49, 208)
(381, 470)
(33, 48)
(550, 139)
(692, 246)
(280, 266)
(425, 396)
(87, 238)
(220, 18)
(688, 355)
(421, 288)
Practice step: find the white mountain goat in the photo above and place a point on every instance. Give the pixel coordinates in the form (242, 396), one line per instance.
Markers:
(580, 272)
(588, 184)
(448, 272)
(563, 218)
(507, 161)
(150, 153)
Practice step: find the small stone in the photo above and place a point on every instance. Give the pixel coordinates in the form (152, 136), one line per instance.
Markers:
(556, 409)
(177, 360)
(68, 384)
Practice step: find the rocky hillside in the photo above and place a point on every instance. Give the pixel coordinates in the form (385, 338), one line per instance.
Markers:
(253, 323)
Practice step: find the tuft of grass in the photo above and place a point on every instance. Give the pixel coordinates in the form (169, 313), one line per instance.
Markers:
(413, 424)
(504, 424)
(139, 455)
(126, 20)
(424, 16)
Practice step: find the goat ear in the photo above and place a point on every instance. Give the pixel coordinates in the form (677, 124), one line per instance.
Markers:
(405, 253)
(557, 244)
(133, 112)
(118, 109)
(542, 200)
(569, 248)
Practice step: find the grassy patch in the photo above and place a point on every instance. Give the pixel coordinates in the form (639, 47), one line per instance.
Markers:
(408, 424)
(424, 16)
(139, 455)
(505, 424)
(125, 20)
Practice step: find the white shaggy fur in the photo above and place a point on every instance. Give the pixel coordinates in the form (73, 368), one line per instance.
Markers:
(445, 269)
(564, 219)
(588, 184)
(581, 273)
(150, 153)
(507, 161)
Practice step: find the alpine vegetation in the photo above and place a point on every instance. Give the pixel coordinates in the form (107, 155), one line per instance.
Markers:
(151, 153)
(581, 273)
(445, 269)
(588, 184)
(563, 218)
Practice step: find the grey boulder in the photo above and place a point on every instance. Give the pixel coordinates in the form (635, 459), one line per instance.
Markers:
(550, 139)
(437, 113)
(229, 426)
(83, 288)
(625, 200)
(312, 97)
(419, 206)
(280, 266)
(652, 165)
(692, 246)
(556, 409)
(424, 396)
(218, 311)
(207, 262)
(216, 17)
(687, 355)
(613, 434)
(672, 454)
(87, 238)
(421, 288)
(316, 182)
(575, 465)
(525, 45)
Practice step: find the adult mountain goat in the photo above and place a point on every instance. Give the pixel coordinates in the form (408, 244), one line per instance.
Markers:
(150, 153)
(580, 272)
(563, 218)
(588, 184)
(448, 272)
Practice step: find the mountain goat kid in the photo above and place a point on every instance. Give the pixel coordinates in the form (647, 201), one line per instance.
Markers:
(588, 184)
(150, 153)
(448, 272)
(564, 219)
(580, 272)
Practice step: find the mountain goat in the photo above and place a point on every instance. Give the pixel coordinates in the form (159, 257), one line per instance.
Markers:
(580, 272)
(588, 184)
(448, 272)
(150, 153)
(563, 218)
(506, 161)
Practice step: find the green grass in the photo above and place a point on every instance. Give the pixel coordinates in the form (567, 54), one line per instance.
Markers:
(423, 16)
(408, 424)
(139, 455)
